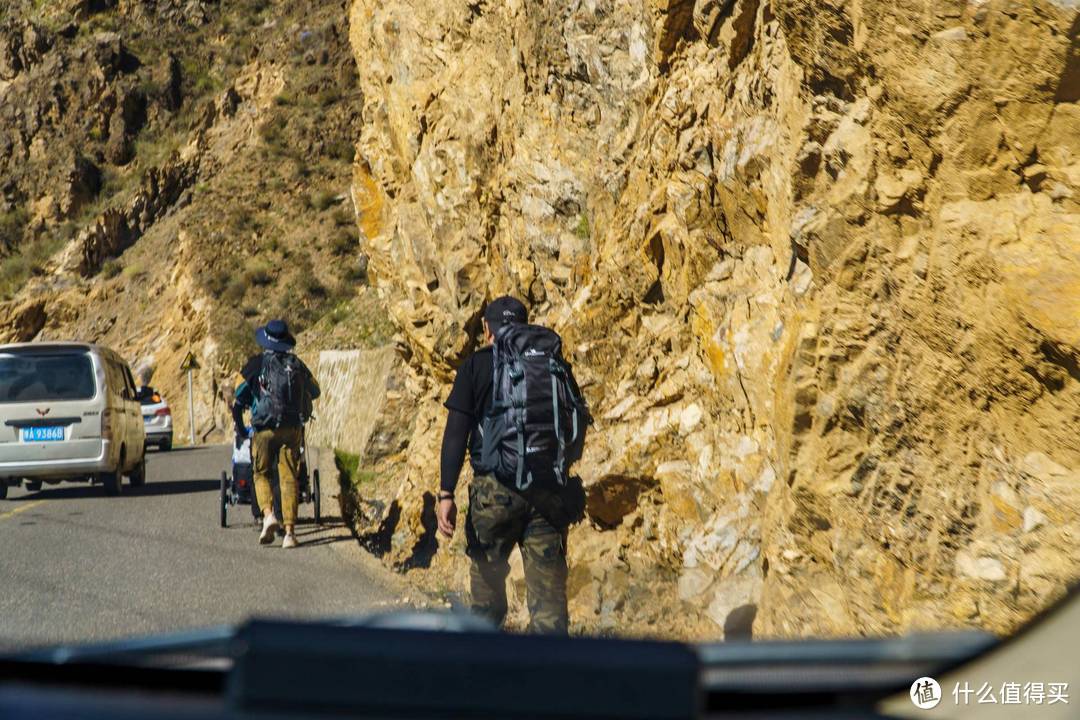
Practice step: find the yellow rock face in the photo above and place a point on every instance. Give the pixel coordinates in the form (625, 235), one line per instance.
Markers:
(818, 268)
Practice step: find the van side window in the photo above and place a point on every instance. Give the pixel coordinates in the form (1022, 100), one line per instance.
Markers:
(130, 383)
(113, 377)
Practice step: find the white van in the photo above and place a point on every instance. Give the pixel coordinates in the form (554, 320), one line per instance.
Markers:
(68, 411)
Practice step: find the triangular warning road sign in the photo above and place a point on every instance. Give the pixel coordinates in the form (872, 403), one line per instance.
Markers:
(190, 363)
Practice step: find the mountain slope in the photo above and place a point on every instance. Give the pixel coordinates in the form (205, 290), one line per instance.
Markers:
(176, 174)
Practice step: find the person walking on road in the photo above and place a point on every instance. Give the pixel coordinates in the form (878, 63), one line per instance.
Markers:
(515, 407)
(279, 389)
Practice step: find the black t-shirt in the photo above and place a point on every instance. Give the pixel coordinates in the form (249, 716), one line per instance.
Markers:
(471, 393)
(252, 368)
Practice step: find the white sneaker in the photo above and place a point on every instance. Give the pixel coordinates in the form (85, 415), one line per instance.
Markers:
(289, 541)
(270, 526)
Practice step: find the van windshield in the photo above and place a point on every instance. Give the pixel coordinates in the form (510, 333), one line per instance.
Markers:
(45, 377)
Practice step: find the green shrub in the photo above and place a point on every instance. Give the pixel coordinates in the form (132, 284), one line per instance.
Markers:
(154, 147)
(356, 271)
(258, 273)
(203, 82)
(12, 227)
(111, 268)
(342, 217)
(150, 87)
(329, 96)
(242, 221)
(39, 252)
(582, 227)
(237, 342)
(269, 243)
(342, 150)
(14, 271)
(339, 314)
(235, 291)
(322, 200)
(216, 280)
(272, 133)
(311, 287)
(29, 258)
(348, 466)
(113, 182)
(343, 242)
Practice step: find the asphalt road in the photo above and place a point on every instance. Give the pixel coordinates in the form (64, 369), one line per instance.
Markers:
(76, 565)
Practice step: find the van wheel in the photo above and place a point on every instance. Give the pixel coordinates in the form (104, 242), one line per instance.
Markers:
(137, 476)
(165, 446)
(3, 488)
(33, 485)
(111, 482)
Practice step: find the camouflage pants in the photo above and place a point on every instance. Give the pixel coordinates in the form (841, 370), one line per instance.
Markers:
(498, 519)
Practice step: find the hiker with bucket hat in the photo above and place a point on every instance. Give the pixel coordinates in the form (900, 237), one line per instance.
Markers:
(279, 389)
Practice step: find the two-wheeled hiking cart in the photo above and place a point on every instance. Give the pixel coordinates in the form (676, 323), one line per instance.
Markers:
(238, 487)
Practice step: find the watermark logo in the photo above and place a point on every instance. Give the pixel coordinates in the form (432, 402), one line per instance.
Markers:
(925, 693)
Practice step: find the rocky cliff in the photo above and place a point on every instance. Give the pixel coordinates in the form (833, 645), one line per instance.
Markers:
(816, 264)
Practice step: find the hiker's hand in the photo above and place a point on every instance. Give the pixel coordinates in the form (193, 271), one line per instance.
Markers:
(447, 515)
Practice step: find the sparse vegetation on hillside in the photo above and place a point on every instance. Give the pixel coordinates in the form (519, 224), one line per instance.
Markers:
(272, 228)
(28, 260)
(12, 227)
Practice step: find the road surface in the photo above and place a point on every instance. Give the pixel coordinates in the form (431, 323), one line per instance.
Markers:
(76, 565)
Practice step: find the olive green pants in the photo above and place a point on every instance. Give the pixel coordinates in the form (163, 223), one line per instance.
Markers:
(279, 447)
(497, 520)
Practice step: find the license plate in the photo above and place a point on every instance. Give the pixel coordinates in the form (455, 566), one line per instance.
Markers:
(148, 418)
(43, 434)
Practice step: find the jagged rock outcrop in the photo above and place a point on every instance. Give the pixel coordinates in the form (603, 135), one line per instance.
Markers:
(21, 320)
(118, 228)
(816, 263)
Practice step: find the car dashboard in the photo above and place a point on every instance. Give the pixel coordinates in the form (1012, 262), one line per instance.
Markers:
(447, 666)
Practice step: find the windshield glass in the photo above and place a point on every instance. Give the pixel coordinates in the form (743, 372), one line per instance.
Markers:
(26, 377)
(703, 320)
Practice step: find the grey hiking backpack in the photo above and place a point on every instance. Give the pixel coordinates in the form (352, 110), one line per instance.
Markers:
(535, 428)
(284, 394)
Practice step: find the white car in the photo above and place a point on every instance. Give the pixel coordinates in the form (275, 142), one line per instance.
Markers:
(157, 418)
(68, 412)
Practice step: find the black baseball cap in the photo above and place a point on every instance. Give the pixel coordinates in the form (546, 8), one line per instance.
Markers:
(505, 309)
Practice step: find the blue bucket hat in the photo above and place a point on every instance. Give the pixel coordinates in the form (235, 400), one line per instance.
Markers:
(275, 336)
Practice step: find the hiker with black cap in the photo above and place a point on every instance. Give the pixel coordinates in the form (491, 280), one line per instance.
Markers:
(517, 409)
(278, 388)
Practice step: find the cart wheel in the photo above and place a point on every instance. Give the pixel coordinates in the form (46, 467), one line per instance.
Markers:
(224, 496)
(316, 496)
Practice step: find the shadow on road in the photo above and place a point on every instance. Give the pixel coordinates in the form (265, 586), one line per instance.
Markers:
(308, 533)
(174, 487)
(307, 526)
(75, 492)
(178, 449)
(321, 541)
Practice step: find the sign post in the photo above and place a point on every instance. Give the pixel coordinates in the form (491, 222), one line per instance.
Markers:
(189, 364)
